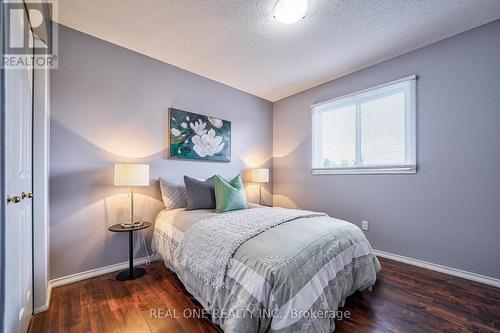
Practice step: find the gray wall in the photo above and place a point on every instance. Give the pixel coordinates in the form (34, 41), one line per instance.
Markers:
(109, 104)
(449, 212)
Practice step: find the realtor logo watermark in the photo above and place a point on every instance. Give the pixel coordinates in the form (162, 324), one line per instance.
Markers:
(30, 37)
(164, 313)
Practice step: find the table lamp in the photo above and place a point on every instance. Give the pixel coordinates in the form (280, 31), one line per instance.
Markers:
(131, 175)
(260, 176)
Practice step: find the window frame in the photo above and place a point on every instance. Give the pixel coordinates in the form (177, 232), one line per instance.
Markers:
(356, 98)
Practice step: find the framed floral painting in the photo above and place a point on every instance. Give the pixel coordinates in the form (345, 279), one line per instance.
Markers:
(197, 137)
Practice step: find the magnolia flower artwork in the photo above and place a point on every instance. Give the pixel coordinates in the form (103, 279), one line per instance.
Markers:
(198, 137)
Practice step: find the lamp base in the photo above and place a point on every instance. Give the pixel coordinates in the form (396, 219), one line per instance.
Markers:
(131, 275)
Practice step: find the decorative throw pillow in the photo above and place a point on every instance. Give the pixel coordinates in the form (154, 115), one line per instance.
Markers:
(230, 195)
(200, 194)
(173, 195)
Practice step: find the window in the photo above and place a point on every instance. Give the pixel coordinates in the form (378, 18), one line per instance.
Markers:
(371, 131)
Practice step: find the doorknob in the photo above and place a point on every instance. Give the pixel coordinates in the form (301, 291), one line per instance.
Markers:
(13, 199)
(28, 195)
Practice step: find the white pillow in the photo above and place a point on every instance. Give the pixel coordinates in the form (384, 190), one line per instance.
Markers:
(173, 195)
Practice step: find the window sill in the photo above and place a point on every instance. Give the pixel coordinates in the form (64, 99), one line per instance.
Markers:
(402, 169)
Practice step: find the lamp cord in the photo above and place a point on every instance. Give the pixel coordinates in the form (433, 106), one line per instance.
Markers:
(148, 258)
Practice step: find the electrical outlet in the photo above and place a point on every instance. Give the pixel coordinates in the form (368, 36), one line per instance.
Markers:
(364, 225)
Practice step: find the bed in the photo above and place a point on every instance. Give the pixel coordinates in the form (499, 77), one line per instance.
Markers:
(290, 275)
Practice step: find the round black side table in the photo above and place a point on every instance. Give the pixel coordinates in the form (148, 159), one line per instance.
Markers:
(132, 273)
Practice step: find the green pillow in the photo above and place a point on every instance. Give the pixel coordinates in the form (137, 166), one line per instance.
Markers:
(229, 195)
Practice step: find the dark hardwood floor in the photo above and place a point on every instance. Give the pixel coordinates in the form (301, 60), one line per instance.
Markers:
(405, 299)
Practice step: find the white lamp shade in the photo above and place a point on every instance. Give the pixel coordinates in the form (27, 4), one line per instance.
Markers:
(131, 175)
(260, 175)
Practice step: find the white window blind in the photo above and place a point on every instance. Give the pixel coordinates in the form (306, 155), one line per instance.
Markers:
(371, 131)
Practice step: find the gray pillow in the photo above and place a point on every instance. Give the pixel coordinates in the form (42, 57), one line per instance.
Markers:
(173, 195)
(200, 194)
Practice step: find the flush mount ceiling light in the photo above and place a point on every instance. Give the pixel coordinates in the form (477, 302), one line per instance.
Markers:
(290, 11)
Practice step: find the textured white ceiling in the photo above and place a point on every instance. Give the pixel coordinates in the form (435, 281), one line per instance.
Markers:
(237, 42)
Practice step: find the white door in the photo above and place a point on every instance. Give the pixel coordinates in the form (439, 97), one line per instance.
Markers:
(18, 209)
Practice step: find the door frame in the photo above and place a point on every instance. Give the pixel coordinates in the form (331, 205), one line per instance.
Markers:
(41, 169)
(2, 171)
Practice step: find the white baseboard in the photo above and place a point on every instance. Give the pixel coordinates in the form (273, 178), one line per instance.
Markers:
(440, 268)
(139, 261)
(44, 307)
(96, 272)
